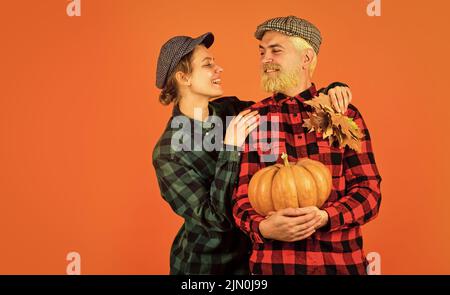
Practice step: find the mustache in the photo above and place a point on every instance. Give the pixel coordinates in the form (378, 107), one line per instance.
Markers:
(271, 66)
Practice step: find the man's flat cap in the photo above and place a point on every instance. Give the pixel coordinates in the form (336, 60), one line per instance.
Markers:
(292, 26)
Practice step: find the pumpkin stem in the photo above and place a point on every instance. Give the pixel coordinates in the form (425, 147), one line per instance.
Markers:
(284, 156)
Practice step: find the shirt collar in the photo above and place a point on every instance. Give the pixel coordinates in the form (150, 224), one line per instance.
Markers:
(205, 125)
(280, 98)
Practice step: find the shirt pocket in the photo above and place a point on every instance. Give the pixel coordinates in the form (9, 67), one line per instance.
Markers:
(331, 156)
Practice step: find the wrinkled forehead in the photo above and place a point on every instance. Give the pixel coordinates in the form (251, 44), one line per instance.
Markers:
(273, 38)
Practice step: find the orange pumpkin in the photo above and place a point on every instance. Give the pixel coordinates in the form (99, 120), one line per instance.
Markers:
(292, 185)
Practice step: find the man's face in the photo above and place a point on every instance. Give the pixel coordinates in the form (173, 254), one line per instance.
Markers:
(205, 76)
(280, 62)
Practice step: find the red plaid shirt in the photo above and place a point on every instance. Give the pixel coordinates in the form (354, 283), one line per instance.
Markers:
(354, 200)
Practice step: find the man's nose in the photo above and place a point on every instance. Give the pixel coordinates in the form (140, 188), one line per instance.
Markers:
(266, 58)
(219, 69)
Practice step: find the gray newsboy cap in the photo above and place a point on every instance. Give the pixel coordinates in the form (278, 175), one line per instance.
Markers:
(292, 26)
(173, 51)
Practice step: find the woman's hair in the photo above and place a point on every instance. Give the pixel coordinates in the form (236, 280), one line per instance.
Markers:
(170, 92)
(300, 44)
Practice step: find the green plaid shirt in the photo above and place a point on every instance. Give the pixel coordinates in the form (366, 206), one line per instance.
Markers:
(198, 186)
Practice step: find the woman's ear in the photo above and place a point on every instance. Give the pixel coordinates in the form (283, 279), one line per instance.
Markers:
(182, 78)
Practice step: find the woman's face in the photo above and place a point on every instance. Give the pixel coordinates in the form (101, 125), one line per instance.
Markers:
(205, 77)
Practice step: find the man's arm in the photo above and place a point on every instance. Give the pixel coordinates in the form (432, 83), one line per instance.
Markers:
(363, 198)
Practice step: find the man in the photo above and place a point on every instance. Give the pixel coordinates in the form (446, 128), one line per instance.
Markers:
(304, 240)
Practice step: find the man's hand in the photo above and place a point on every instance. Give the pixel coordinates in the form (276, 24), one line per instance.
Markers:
(340, 98)
(293, 224)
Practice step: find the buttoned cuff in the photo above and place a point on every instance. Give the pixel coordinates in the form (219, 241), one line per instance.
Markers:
(335, 219)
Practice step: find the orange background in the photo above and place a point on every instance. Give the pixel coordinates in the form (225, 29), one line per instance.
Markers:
(80, 116)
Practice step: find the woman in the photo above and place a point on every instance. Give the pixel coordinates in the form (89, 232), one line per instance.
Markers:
(195, 179)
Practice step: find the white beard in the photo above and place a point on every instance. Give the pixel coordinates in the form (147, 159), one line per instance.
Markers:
(281, 82)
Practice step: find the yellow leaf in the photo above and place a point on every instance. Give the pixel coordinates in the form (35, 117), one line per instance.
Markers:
(328, 132)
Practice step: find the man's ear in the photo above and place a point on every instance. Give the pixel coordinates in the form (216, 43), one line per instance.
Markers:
(183, 78)
(308, 55)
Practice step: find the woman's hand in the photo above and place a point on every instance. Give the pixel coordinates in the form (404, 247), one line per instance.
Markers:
(341, 97)
(240, 127)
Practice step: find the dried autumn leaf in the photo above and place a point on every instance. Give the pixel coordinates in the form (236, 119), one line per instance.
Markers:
(339, 138)
(328, 132)
(353, 144)
(320, 120)
(352, 123)
(319, 102)
(307, 124)
(333, 125)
